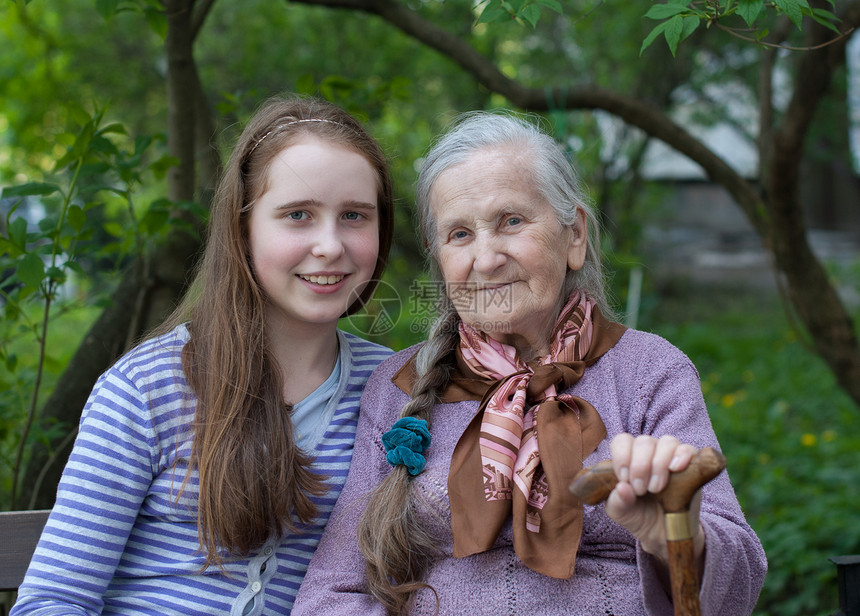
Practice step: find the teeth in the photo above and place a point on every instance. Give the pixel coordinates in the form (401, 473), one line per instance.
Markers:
(323, 279)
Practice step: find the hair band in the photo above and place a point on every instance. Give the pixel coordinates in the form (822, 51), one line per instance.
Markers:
(281, 127)
(405, 442)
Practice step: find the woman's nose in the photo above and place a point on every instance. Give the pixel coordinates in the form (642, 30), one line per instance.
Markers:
(489, 255)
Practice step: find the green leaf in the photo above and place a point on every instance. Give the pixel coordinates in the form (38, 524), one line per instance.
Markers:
(195, 208)
(77, 218)
(81, 144)
(791, 8)
(56, 275)
(115, 229)
(750, 10)
(664, 11)
(157, 21)
(48, 223)
(29, 189)
(116, 127)
(652, 36)
(154, 220)
(674, 30)
(93, 169)
(31, 270)
(493, 14)
(106, 8)
(76, 267)
(84, 138)
(12, 311)
(825, 14)
(826, 19)
(163, 164)
(142, 143)
(825, 22)
(111, 249)
(531, 14)
(690, 25)
(111, 189)
(18, 233)
(102, 145)
(553, 5)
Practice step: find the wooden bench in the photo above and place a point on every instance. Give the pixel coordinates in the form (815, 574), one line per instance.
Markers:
(19, 534)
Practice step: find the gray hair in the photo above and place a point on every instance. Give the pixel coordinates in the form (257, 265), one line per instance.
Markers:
(554, 178)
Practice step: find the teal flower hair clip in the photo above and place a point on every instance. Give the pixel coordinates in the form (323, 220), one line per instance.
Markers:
(405, 442)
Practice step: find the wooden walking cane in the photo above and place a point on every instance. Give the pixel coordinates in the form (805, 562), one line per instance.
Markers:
(593, 485)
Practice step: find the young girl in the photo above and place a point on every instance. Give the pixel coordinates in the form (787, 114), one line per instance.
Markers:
(209, 457)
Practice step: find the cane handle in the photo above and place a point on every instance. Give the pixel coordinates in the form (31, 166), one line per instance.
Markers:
(593, 485)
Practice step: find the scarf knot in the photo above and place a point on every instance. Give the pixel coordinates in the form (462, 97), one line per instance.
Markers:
(544, 377)
(527, 441)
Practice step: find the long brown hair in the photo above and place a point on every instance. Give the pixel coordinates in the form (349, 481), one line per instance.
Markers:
(254, 482)
(397, 550)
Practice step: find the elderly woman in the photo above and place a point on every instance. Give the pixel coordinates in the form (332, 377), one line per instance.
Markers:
(523, 380)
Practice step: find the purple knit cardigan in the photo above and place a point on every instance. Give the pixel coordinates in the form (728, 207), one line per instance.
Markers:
(643, 385)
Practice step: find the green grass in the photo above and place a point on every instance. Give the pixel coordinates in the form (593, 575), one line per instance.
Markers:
(791, 437)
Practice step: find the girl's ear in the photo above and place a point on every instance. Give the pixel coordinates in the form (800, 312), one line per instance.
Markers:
(578, 243)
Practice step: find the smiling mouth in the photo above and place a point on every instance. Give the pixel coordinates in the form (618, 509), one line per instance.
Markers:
(492, 286)
(323, 280)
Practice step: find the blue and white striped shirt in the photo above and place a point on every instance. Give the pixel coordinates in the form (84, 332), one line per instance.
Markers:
(119, 542)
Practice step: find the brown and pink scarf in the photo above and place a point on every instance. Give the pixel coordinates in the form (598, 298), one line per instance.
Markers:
(527, 441)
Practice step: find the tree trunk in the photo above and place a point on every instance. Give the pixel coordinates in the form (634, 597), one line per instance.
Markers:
(151, 288)
(806, 283)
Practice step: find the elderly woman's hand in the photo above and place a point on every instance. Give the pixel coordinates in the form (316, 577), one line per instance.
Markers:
(642, 465)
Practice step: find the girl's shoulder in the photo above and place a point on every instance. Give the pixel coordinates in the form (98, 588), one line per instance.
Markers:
(362, 345)
(159, 354)
(145, 387)
(361, 353)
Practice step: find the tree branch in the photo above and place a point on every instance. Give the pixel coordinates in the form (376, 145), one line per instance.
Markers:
(632, 110)
(774, 213)
(199, 17)
(768, 57)
(814, 72)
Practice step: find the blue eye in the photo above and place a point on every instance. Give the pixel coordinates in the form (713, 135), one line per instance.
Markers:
(513, 220)
(298, 215)
(352, 216)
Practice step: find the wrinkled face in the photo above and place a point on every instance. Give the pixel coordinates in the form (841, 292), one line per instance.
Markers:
(314, 233)
(502, 252)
